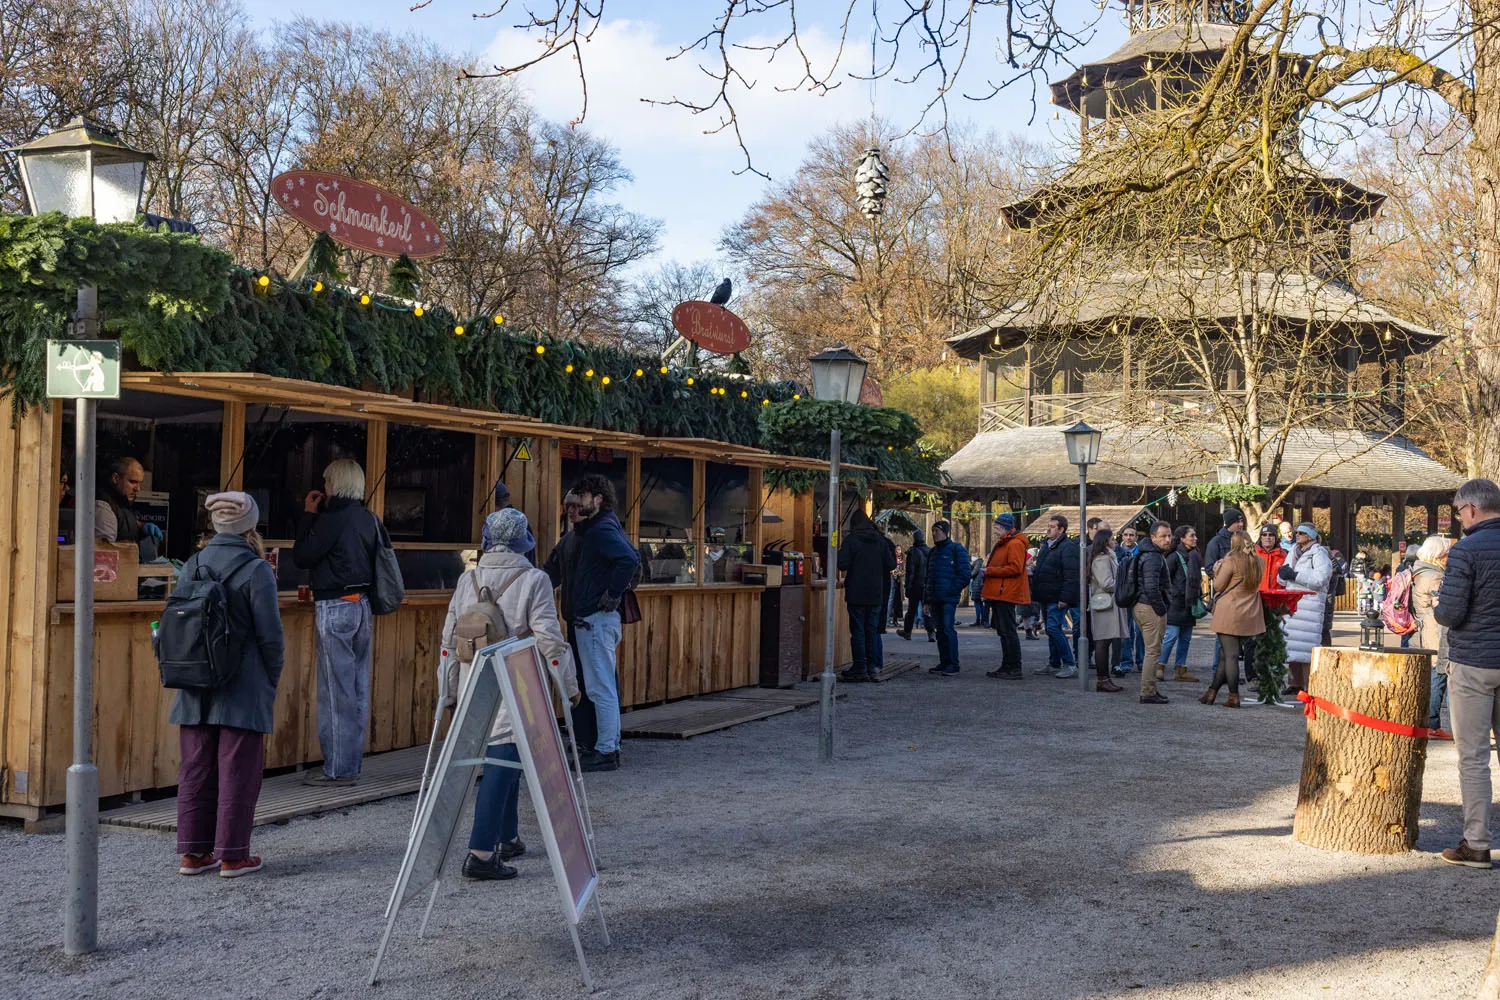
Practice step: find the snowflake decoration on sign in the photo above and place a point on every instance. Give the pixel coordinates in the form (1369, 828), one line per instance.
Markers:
(377, 198)
(296, 202)
(380, 241)
(333, 227)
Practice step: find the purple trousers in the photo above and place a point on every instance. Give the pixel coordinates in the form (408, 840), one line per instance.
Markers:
(218, 782)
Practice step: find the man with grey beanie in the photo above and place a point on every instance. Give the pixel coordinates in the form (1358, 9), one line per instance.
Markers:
(221, 731)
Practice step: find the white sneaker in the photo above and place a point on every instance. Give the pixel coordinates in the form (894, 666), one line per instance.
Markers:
(1063, 675)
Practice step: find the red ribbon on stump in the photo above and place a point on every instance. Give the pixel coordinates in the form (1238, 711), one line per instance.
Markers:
(1314, 703)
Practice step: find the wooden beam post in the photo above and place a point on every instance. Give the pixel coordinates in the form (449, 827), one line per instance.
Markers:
(375, 458)
(755, 529)
(1398, 527)
(487, 462)
(232, 447)
(633, 489)
(700, 515)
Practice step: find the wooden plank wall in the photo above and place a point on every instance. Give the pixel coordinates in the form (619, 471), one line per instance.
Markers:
(842, 656)
(690, 641)
(30, 449)
(136, 747)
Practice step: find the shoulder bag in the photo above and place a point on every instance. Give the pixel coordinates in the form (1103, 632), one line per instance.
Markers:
(388, 590)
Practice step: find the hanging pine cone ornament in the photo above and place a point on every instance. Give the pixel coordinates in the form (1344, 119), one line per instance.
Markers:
(870, 182)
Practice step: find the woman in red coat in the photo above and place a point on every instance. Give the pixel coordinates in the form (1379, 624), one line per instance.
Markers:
(1268, 547)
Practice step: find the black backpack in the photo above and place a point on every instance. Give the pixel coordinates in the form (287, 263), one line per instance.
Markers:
(1128, 582)
(194, 646)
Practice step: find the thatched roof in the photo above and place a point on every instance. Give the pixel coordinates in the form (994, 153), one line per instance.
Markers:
(1194, 295)
(1115, 515)
(1153, 455)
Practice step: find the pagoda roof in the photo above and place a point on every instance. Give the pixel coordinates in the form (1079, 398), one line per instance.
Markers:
(1195, 295)
(1192, 41)
(1153, 454)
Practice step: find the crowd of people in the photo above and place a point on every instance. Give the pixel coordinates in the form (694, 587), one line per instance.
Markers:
(576, 607)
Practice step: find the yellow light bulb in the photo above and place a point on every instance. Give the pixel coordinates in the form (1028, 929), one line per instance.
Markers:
(890, 447)
(690, 380)
(765, 402)
(589, 373)
(663, 369)
(263, 281)
(796, 395)
(364, 300)
(744, 394)
(418, 311)
(499, 319)
(458, 331)
(568, 369)
(639, 372)
(317, 286)
(604, 380)
(540, 349)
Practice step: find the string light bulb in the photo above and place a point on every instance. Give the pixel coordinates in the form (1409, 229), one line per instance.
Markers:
(317, 286)
(765, 402)
(499, 319)
(364, 299)
(744, 394)
(690, 380)
(604, 380)
(541, 349)
(639, 372)
(568, 368)
(458, 331)
(663, 369)
(263, 281)
(588, 373)
(417, 312)
(796, 395)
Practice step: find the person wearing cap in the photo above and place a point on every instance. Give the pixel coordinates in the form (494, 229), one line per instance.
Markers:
(524, 596)
(1307, 568)
(221, 732)
(1007, 588)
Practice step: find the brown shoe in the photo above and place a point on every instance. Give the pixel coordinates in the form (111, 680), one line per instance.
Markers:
(1183, 677)
(1233, 701)
(197, 864)
(1107, 685)
(1207, 697)
(1161, 671)
(1465, 855)
(245, 866)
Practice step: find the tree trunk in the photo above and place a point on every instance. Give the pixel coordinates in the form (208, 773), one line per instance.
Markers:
(1361, 788)
(1489, 989)
(1484, 164)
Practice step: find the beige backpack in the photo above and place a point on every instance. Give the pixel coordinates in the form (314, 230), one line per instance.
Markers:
(482, 623)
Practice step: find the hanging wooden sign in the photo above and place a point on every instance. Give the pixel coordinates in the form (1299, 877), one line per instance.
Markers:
(711, 327)
(356, 214)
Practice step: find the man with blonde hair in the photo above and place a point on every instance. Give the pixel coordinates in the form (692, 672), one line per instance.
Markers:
(337, 538)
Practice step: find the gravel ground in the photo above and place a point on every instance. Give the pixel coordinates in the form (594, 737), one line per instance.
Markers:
(975, 838)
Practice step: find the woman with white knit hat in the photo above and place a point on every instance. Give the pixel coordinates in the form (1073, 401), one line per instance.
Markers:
(524, 595)
(221, 731)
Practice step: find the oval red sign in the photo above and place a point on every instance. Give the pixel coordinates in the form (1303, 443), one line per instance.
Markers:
(711, 327)
(357, 214)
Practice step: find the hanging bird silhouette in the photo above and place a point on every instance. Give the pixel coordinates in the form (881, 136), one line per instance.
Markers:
(722, 293)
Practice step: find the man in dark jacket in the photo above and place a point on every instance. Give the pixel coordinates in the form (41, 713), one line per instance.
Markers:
(561, 565)
(336, 540)
(1150, 609)
(947, 579)
(115, 519)
(866, 559)
(1054, 585)
(605, 570)
(916, 584)
(1468, 603)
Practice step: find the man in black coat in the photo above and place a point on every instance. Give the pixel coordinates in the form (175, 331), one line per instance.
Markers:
(866, 558)
(1054, 585)
(1151, 607)
(916, 583)
(1468, 603)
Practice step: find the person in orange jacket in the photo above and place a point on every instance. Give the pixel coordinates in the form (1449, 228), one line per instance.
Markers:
(1006, 588)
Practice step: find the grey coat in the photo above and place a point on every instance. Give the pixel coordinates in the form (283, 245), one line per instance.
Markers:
(248, 700)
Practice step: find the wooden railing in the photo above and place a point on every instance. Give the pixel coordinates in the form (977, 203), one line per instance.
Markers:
(1099, 408)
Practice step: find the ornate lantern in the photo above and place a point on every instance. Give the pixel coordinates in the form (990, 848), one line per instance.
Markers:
(870, 183)
(1372, 631)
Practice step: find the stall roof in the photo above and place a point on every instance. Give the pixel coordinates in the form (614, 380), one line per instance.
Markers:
(1117, 516)
(253, 387)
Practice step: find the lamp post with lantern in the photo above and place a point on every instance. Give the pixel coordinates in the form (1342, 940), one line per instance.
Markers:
(1228, 471)
(838, 376)
(83, 170)
(1083, 444)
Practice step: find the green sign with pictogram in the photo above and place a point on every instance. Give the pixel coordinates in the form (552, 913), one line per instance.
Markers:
(83, 369)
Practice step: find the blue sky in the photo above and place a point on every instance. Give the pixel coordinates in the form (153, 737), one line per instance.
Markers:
(682, 176)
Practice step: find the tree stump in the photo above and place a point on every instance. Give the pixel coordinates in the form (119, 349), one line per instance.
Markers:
(1489, 988)
(1361, 788)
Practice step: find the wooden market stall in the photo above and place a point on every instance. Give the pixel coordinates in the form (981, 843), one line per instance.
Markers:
(696, 509)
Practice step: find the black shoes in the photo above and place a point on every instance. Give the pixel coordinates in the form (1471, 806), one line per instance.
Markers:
(1001, 673)
(593, 760)
(1154, 699)
(904, 635)
(493, 870)
(852, 676)
(510, 849)
(931, 637)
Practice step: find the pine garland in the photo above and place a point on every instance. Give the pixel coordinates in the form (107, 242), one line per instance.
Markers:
(1270, 658)
(1231, 493)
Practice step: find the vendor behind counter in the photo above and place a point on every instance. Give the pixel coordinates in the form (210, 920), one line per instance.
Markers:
(114, 518)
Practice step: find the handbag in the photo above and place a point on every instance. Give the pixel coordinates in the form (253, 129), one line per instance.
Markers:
(388, 589)
(1100, 600)
(630, 608)
(1199, 610)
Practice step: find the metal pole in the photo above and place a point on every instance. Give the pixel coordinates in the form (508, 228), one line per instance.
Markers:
(831, 578)
(81, 930)
(1081, 637)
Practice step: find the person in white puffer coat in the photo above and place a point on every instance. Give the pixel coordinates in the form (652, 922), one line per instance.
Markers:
(1308, 567)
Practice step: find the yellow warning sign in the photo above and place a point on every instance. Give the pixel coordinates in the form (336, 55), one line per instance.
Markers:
(523, 451)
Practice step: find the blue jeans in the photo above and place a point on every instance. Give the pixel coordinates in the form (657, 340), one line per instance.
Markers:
(1435, 700)
(344, 629)
(947, 633)
(864, 638)
(1180, 636)
(495, 816)
(598, 639)
(1059, 647)
(981, 611)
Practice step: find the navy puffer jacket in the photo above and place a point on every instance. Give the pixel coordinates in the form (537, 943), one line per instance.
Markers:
(947, 572)
(1469, 599)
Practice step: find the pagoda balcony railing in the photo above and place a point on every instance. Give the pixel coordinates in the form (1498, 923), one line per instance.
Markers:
(1179, 405)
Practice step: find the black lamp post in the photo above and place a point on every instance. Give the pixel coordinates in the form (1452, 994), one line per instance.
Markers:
(1083, 451)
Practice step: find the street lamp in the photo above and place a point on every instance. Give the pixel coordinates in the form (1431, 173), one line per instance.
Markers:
(838, 376)
(83, 170)
(1228, 472)
(1083, 444)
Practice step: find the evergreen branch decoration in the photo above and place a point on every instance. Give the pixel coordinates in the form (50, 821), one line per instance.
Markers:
(1270, 658)
(1231, 493)
(179, 305)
